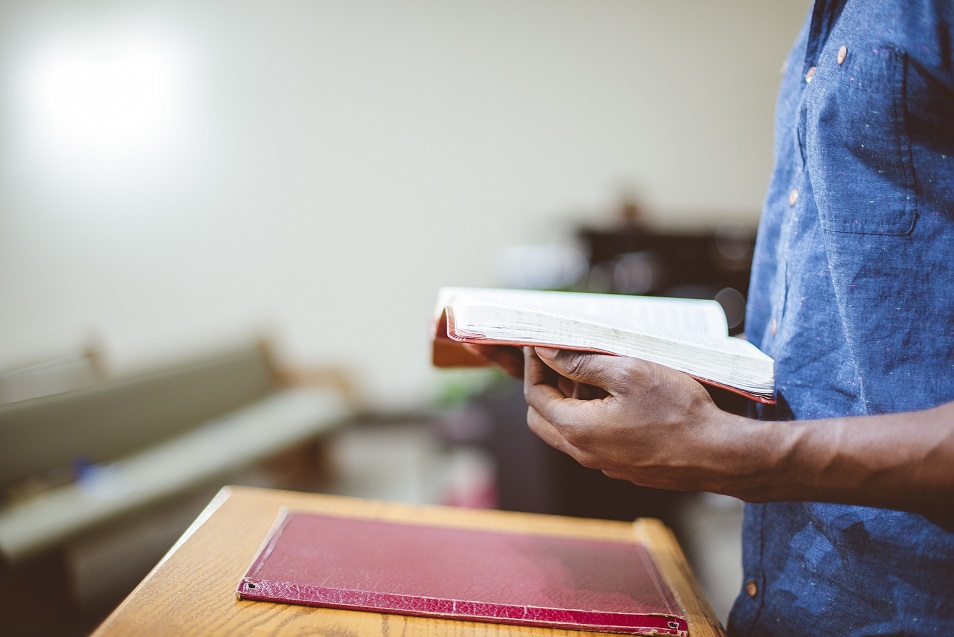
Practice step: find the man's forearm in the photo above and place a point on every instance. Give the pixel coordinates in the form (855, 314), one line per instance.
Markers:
(898, 461)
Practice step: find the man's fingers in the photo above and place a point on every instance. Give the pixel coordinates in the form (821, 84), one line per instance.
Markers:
(536, 373)
(588, 392)
(542, 390)
(598, 370)
(567, 387)
(563, 421)
(548, 433)
(553, 436)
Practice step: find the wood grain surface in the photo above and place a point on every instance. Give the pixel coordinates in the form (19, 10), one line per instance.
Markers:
(191, 591)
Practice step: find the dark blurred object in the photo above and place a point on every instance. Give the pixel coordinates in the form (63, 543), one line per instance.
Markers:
(630, 258)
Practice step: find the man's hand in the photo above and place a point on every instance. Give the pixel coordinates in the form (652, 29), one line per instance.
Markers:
(646, 423)
(657, 427)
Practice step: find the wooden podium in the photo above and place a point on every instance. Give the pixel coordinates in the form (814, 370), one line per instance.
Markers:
(192, 589)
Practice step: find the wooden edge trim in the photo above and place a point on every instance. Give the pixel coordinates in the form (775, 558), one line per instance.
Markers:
(672, 563)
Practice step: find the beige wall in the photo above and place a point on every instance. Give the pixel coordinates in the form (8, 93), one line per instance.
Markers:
(321, 168)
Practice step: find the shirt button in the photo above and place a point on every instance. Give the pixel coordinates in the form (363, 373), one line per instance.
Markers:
(774, 327)
(793, 196)
(751, 588)
(842, 54)
(810, 74)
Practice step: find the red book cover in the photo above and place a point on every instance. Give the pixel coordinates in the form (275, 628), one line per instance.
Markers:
(465, 574)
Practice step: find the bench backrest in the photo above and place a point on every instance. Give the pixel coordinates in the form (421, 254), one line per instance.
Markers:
(105, 421)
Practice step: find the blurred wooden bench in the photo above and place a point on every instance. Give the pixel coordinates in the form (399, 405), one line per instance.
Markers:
(75, 461)
(31, 370)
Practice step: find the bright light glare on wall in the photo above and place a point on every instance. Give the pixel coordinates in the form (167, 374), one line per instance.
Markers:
(115, 100)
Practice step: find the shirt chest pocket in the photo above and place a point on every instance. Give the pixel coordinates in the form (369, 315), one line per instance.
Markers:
(857, 148)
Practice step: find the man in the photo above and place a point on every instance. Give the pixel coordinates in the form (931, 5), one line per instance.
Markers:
(853, 296)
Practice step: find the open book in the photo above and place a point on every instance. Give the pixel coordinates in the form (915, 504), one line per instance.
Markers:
(688, 335)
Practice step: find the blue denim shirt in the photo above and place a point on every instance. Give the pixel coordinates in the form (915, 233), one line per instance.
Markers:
(853, 295)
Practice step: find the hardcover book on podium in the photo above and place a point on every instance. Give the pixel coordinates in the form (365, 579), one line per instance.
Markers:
(464, 574)
(689, 335)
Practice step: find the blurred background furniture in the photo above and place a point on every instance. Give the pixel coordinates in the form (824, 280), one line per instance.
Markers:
(39, 374)
(98, 481)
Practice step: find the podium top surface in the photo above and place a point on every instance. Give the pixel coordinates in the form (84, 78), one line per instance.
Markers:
(191, 591)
